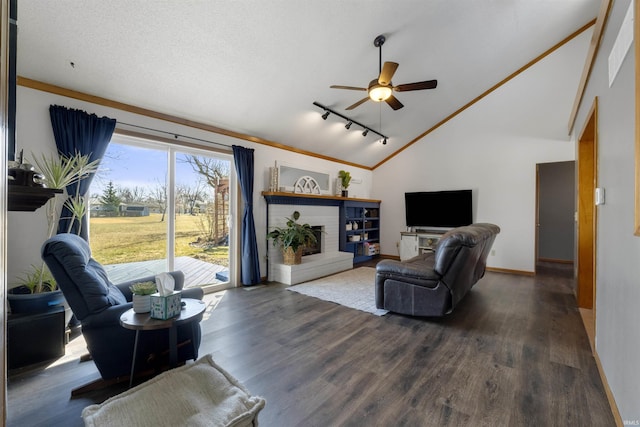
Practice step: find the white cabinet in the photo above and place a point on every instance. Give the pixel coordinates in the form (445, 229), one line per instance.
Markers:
(408, 246)
(414, 244)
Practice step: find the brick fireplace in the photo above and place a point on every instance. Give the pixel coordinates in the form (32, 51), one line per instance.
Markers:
(323, 214)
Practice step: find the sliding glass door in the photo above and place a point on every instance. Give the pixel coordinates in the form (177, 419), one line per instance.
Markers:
(157, 207)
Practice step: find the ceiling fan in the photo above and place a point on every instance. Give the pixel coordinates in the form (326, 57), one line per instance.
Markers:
(380, 89)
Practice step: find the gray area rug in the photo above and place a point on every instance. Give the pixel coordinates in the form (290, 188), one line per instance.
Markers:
(351, 288)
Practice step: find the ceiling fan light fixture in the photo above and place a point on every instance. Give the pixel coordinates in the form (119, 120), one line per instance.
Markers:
(379, 93)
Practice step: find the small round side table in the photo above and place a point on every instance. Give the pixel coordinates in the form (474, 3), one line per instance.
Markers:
(191, 311)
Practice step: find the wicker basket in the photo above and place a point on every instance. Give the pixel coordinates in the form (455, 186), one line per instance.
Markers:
(291, 257)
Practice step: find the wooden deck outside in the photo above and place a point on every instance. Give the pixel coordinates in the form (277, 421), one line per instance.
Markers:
(196, 272)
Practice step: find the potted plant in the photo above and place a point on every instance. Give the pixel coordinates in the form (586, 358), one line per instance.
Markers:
(37, 291)
(142, 295)
(59, 172)
(345, 180)
(292, 239)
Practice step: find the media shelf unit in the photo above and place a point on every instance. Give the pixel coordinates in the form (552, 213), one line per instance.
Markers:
(360, 232)
(415, 243)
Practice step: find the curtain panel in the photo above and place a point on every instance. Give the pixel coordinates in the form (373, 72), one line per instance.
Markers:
(250, 266)
(77, 131)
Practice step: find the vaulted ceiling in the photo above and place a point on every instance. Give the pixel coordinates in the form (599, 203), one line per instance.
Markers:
(255, 67)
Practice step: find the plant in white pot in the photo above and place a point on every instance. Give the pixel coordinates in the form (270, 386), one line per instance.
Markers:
(142, 295)
(293, 238)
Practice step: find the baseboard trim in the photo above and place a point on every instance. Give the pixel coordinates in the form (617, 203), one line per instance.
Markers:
(509, 271)
(557, 261)
(612, 401)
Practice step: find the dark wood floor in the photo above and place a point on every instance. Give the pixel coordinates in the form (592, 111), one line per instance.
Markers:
(514, 353)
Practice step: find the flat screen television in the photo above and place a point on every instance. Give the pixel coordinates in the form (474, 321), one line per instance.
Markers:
(441, 209)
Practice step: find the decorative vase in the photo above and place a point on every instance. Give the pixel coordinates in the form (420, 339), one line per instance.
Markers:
(345, 193)
(291, 257)
(141, 303)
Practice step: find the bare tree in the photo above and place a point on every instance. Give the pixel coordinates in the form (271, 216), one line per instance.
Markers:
(158, 197)
(216, 173)
(190, 195)
(135, 194)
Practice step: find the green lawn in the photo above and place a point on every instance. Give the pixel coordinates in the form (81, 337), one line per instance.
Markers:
(132, 239)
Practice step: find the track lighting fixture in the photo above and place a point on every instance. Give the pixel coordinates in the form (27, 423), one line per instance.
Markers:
(350, 122)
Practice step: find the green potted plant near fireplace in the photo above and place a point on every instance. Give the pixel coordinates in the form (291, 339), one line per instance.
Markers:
(293, 238)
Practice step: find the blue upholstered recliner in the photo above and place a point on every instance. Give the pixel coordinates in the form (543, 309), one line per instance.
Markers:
(98, 304)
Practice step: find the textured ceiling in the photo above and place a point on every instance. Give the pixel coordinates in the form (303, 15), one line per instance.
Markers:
(255, 67)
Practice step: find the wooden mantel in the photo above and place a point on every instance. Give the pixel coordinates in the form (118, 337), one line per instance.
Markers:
(312, 199)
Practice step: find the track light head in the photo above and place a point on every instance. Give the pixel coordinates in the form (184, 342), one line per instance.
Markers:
(349, 122)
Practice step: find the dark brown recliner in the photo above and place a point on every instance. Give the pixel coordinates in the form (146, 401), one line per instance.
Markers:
(432, 284)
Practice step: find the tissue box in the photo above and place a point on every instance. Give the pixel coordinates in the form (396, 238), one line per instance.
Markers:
(165, 307)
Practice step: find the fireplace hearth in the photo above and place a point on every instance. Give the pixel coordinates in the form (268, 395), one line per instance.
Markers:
(320, 260)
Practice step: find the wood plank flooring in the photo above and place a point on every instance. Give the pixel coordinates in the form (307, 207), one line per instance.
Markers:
(514, 353)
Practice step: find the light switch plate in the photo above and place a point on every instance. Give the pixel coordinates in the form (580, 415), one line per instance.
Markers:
(599, 196)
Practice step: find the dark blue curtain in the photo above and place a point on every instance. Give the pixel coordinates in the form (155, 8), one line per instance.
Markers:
(250, 267)
(76, 131)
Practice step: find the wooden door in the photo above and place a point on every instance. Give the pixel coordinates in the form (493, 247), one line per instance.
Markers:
(587, 220)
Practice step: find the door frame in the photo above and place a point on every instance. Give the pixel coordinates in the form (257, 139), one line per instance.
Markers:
(171, 146)
(587, 221)
(4, 138)
(540, 196)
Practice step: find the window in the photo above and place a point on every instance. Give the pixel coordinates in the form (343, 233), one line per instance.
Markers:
(156, 207)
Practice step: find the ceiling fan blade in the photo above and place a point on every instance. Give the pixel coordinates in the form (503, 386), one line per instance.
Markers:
(429, 84)
(394, 103)
(348, 87)
(357, 104)
(388, 70)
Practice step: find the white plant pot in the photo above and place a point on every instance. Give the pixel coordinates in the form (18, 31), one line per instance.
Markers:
(142, 303)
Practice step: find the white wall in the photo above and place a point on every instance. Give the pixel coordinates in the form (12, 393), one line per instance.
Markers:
(618, 250)
(492, 148)
(27, 231)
